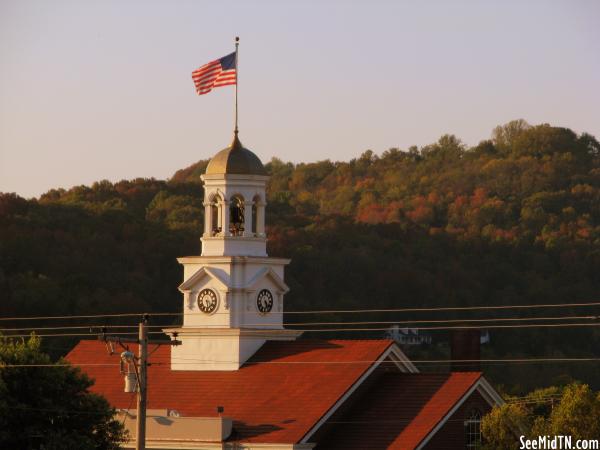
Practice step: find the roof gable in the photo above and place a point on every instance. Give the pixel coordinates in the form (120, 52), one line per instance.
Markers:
(488, 394)
(198, 276)
(394, 355)
(401, 410)
(267, 272)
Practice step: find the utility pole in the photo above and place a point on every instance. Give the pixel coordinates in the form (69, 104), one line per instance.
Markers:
(141, 371)
(140, 427)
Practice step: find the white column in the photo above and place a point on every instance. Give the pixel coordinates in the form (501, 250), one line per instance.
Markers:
(208, 219)
(260, 219)
(220, 215)
(248, 218)
(225, 217)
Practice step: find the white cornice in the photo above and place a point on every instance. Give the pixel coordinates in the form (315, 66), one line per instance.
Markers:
(233, 177)
(489, 393)
(400, 359)
(274, 334)
(232, 259)
(234, 238)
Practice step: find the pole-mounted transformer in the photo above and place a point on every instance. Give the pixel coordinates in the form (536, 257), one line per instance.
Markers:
(135, 370)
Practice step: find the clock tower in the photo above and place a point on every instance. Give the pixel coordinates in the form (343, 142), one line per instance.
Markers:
(233, 292)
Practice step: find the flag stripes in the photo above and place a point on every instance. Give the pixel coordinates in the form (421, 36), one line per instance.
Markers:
(221, 72)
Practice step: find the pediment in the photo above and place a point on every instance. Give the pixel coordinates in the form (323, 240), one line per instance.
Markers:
(269, 273)
(202, 273)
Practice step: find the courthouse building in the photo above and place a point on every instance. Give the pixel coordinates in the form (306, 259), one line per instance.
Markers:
(241, 380)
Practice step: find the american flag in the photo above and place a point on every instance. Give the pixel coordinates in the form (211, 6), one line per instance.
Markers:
(220, 72)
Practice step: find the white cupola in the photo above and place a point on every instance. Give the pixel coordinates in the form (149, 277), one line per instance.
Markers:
(233, 292)
(234, 203)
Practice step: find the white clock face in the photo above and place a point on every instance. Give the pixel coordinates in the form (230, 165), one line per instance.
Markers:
(207, 301)
(264, 301)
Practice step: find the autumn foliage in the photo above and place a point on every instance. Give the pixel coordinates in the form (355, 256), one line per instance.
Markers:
(512, 220)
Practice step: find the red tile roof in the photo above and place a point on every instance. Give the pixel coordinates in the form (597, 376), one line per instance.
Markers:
(398, 411)
(277, 401)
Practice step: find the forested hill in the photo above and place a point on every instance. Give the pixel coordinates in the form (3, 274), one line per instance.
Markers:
(513, 220)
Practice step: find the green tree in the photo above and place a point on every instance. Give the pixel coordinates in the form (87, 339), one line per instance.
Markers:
(50, 407)
(573, 410)
(577, 414)
(504, 136)
(502, 426)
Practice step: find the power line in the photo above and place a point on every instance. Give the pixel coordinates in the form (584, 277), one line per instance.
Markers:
(336, 330)
(62, 411)
(78, 327)
(439, 362)
(436, 362)
(4, 366)
(415, 361)
(62, 335)
(409, 322)
(447, 308)
(346, 311)
(422, 361)
(89, 316)
(460, 327)
(126, 412)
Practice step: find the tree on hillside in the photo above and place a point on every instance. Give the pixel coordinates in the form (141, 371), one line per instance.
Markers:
(50, 407)
(505, 135)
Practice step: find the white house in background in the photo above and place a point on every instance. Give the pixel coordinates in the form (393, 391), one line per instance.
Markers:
(408, 336)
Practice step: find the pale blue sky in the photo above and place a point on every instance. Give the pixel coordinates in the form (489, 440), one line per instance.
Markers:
(102, 90)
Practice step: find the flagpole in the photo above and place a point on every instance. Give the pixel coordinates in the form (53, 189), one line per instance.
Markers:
(237, 77)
